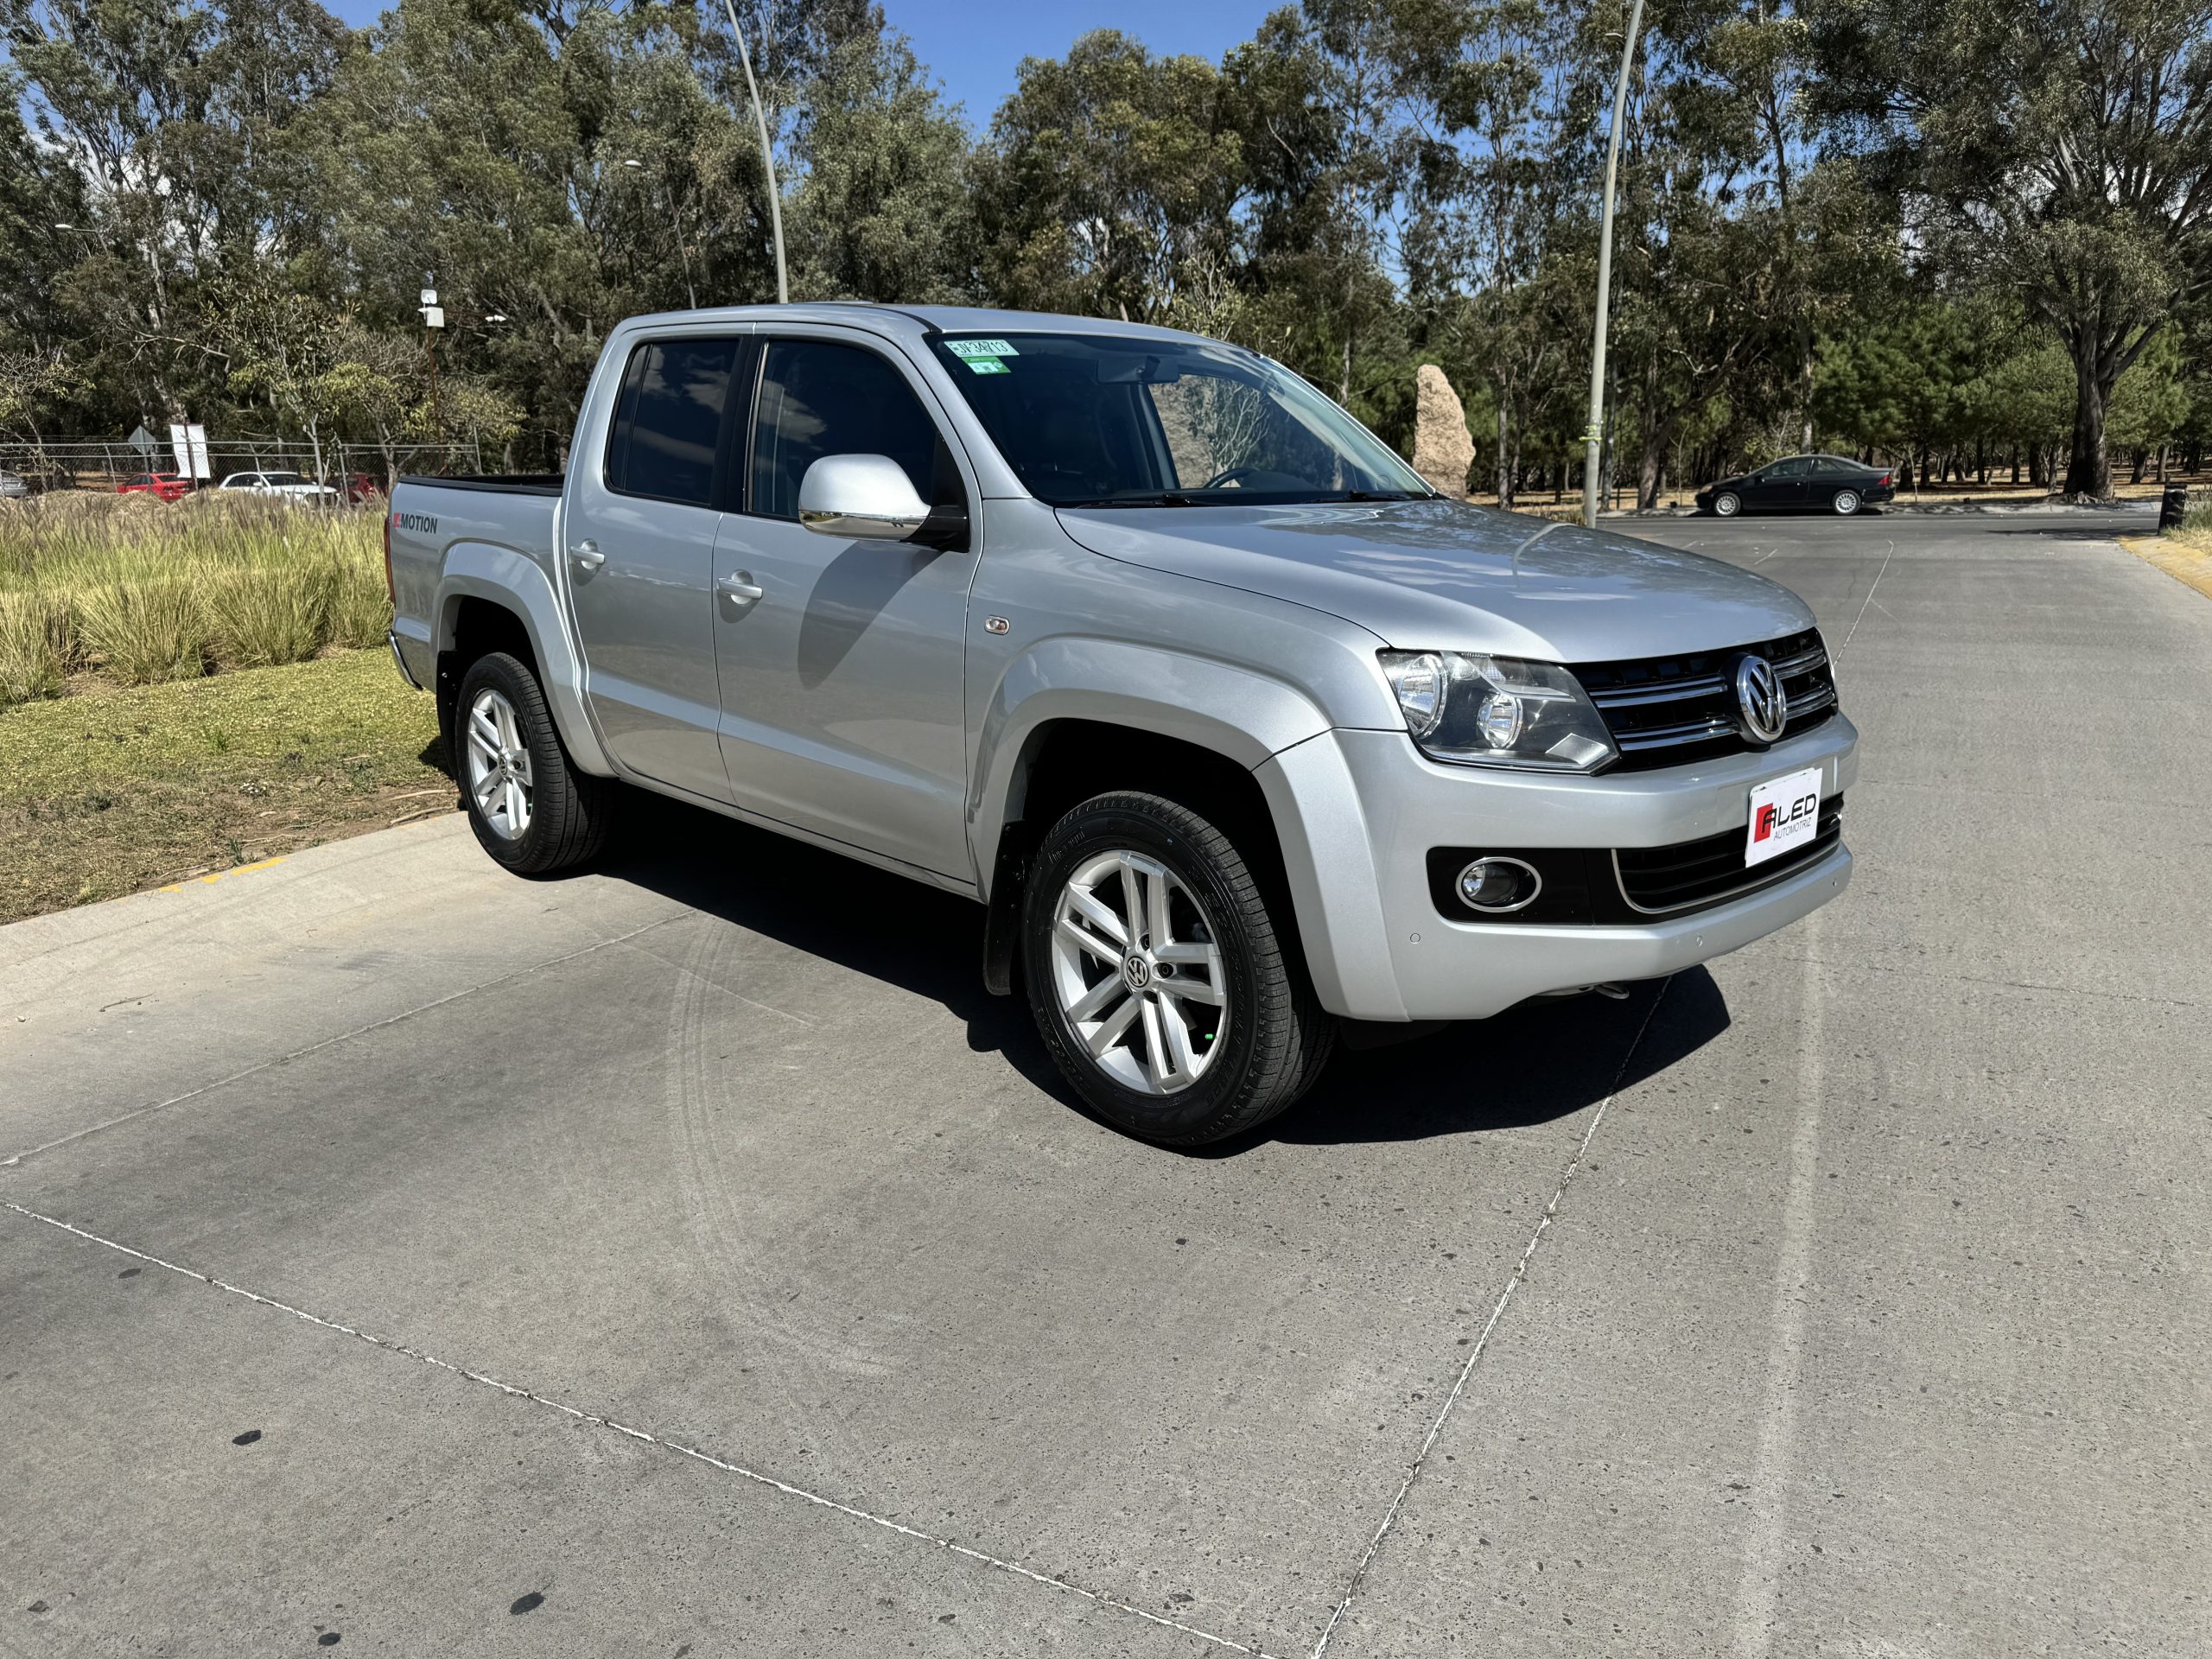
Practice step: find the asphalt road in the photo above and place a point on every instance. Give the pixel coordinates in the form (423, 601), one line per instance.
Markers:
(690, 1259)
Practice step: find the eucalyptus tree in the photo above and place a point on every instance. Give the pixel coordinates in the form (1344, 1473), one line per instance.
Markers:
(881, 209)
(2060, 151)
(176, 117)
(1329, 96)
(1111, 175)
(1487, 198)
(549, 169)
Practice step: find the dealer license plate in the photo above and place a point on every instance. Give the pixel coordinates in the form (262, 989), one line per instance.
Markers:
(1785, 814)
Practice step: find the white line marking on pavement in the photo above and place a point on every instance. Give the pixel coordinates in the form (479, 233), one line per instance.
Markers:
(1759, 1591)
(1869, 600)
(1481, 1341)
(342, 1036)
(390, 1346)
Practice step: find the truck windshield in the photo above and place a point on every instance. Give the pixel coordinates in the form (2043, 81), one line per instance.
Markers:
(1116, 421)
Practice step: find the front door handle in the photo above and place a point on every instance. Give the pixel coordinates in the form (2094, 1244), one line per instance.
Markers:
(740, 586)
(588, 557)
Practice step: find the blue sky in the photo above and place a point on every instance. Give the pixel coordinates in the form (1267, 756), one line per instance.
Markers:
(972, 46)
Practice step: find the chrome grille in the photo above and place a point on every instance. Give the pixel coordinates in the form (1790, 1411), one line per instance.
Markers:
(1665, 711)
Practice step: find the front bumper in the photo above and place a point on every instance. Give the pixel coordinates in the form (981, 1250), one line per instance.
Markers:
(1380, 948)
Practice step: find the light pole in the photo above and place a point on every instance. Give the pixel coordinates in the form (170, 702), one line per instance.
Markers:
(1594, 436)
(767, 154)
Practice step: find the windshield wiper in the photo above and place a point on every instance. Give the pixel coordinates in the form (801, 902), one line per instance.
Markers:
(1380, 495)
(1160, 499)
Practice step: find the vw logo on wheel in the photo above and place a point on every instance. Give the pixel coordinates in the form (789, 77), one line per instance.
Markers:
(1759, 697)
(1137, 972)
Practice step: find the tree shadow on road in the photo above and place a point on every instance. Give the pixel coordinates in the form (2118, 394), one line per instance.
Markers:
(1534, 1064)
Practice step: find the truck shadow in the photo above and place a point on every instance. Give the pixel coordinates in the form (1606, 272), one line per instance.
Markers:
(1532, 1064)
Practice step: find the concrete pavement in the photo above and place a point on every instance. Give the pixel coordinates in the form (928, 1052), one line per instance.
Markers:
(691, 1257)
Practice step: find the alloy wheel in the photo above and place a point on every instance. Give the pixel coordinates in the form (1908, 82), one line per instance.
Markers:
(1846, 502)
(1138, 974)
(499, 776)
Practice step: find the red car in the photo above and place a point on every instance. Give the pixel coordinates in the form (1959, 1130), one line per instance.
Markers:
(357, 488)
(167, 485)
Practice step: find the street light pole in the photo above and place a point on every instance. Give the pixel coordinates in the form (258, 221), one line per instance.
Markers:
(767, 154)
(1594, 435)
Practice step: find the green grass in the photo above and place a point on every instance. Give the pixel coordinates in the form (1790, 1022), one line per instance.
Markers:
(135, 591)
(115, 790)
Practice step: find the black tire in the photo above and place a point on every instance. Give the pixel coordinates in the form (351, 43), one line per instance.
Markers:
(568, 810)
(1846, 502)
(1277, 1037)
(1727, 505)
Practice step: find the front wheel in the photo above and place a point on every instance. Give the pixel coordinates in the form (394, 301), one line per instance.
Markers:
(1727, 504)
(1164, 986)
(1846, 502)
(529, 806)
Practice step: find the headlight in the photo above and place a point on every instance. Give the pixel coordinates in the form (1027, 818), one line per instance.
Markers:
(1496, 711)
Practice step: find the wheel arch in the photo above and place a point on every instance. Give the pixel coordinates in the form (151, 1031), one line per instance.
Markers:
(1066, 725)
(495, 598)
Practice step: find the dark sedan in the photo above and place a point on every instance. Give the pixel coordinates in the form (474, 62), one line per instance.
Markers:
(1800, 484)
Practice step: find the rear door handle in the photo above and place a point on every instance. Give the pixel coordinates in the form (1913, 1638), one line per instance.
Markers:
(588, 557)
(739, 586)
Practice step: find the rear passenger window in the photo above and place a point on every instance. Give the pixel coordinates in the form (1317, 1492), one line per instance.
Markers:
(820, 398)
(667, 423)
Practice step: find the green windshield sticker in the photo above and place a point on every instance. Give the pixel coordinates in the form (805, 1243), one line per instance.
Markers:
(974, 349)
(985, 365)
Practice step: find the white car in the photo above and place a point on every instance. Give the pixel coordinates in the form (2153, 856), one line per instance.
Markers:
(293, 485)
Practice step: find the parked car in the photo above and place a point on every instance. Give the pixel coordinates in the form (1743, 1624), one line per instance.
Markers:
(1237, 728)
(294, 486)
(14, 486)
(166, 486)
(1800, 484)
(357, 488)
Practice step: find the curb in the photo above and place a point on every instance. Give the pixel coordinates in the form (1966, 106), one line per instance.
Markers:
(2189, 566)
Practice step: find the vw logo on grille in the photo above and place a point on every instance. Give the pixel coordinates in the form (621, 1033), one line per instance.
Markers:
(1759, 696)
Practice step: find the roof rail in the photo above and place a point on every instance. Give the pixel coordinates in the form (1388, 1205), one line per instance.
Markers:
(896, 310)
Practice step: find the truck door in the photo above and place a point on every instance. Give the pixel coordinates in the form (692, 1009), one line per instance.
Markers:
(841, 661)
(640, 530)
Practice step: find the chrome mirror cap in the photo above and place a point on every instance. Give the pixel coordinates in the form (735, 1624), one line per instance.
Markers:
(861, 498)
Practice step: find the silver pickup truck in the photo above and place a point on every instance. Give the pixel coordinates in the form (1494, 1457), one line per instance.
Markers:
(1237, 728)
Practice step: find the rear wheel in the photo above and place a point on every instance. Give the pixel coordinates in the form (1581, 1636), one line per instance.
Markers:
(531, 808)
(1727, 504)
(1846, 502)
(1165, 988)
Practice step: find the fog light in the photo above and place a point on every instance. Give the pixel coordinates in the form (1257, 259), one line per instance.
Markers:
(1497, 885)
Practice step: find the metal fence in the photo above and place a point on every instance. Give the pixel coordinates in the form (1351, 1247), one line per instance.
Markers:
(101, 464)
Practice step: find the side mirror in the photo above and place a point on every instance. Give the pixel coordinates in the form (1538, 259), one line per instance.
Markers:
(861, 498)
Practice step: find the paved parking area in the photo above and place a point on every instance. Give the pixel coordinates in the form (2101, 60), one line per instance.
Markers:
(691, 1259)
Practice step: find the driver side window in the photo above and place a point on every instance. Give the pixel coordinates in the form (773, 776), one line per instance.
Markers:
(819, 397)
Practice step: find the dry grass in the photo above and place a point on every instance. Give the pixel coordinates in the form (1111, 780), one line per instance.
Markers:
(136, 591)
(115, 790)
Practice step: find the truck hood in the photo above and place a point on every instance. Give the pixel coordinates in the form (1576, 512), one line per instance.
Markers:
(1444, 575)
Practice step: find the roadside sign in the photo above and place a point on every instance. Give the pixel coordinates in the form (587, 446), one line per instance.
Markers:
(189, 444)
(142, 441)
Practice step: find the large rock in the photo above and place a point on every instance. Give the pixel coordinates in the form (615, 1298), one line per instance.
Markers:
(1443, 448)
